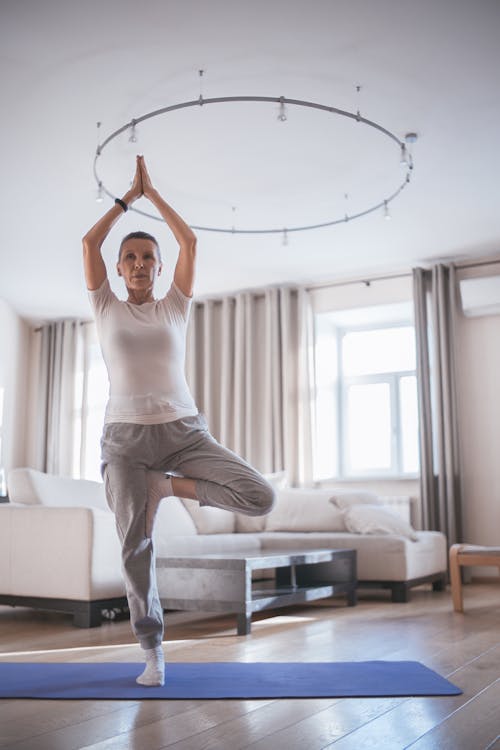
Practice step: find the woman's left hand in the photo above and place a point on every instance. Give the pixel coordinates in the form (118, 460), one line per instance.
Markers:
(136, 189)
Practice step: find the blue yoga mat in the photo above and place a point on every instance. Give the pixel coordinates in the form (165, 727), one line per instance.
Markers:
(116, 681)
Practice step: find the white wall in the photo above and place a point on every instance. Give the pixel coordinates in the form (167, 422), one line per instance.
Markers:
(349, 295)
(14, 348)
(479, 415)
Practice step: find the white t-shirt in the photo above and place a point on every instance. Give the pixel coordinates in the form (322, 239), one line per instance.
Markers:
(144, 349)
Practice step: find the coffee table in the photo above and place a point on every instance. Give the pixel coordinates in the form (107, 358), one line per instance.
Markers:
(223, 582)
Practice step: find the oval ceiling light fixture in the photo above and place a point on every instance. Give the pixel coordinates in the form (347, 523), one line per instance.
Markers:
(404, 151)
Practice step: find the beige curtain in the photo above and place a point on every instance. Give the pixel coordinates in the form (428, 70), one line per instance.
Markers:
(53, 362)
(249, 366)
(436, 305)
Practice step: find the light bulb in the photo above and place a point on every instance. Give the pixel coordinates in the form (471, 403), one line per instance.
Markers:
(282, 115)
(387, 215)
(404, 155)
(410, 139)
(133, 133)
(99, 195)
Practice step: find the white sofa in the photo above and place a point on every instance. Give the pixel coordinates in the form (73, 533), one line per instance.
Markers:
(59, 549)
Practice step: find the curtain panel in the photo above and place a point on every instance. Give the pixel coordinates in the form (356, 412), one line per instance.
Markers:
(249, 366)
(436, 306)
(54, 365)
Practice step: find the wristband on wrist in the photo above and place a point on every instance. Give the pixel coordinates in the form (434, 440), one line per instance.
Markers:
(122, 204)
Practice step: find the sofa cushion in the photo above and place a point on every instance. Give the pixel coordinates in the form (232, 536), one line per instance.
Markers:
(209, 520)
(379, 557)
(345, 498)
(375, 519)
(32, 487)
(173, 519)
(304, 510)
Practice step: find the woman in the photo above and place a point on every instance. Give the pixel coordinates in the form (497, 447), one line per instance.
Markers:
(152, 425)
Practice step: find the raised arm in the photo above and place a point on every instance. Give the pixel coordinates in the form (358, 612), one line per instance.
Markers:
(95, 269)
(185, 266)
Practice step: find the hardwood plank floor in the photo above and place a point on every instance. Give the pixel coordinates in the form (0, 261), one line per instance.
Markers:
(463, 647)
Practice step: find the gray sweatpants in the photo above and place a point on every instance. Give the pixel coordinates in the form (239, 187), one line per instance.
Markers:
(183, 448)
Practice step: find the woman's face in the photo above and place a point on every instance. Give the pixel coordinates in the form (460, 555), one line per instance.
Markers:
(139, 264)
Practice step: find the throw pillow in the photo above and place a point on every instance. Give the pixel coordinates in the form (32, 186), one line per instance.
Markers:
(277, 479)
(304, 510)
(210, 520)
(174, 520)
(374, 519)
(345, 498)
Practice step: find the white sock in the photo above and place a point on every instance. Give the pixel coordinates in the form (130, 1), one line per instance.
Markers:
(159, 486)
(154, 674)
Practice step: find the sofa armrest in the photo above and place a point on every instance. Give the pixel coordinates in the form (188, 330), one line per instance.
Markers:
(61, 552)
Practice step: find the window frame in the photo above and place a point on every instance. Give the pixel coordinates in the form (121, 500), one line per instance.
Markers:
(393, 378)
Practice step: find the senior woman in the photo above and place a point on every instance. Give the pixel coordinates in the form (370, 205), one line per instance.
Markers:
(155, 443)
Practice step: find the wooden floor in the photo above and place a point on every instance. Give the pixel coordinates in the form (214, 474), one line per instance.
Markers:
(464, 648)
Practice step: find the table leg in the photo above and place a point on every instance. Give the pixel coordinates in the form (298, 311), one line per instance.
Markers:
(244, 623)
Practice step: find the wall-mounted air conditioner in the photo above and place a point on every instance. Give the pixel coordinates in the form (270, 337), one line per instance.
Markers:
(480, 296)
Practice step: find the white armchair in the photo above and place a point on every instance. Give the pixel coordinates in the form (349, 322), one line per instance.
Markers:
(58, 547)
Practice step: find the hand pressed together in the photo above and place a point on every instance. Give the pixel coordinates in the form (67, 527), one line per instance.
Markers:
(136, 189)
(147, 185)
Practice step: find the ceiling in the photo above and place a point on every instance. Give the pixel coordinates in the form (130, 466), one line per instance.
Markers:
(428, 66)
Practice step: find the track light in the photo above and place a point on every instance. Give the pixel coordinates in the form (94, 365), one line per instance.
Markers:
(283, 104)
(282, 115)
(133, 133)
(410, 139)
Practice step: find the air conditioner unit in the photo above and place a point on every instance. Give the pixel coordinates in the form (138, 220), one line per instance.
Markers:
(480, 296)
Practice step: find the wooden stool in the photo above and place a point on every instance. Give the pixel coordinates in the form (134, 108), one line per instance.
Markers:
(468, 554)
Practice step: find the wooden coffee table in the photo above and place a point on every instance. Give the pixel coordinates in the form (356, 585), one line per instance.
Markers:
(223, 582)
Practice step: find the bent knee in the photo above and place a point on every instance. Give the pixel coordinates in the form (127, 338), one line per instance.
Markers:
(264, 498)
(270, 498)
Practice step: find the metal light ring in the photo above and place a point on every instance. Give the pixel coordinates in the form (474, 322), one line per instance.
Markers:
(277, 100)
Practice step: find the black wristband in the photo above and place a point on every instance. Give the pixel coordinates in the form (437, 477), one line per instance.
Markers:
(121, 203)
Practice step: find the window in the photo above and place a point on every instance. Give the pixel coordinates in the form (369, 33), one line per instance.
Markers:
(366, 396)
(91, 395)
